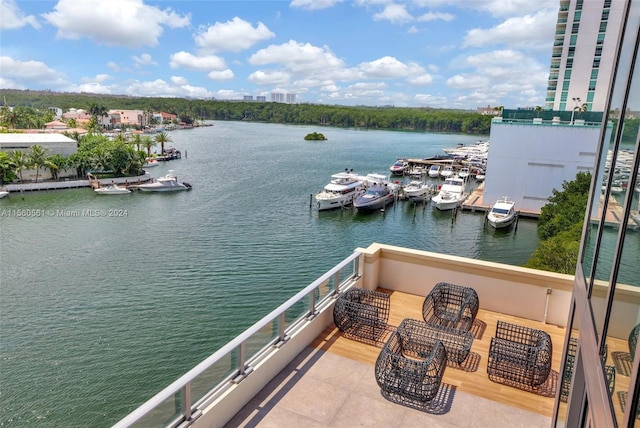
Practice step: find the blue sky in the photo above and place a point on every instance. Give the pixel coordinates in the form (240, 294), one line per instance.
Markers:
(435, 53)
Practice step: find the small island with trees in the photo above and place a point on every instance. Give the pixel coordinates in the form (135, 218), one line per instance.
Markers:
(315, 136)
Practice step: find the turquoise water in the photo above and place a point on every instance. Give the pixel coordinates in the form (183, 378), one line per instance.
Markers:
(97, 314)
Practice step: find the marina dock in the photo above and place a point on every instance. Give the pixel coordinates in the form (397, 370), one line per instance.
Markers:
(613, 217)
(75, 184)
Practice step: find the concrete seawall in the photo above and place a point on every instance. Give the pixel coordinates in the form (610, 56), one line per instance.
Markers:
(73, 184)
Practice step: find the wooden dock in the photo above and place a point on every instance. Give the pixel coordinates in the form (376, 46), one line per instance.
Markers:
(75, 184)
(613, 217)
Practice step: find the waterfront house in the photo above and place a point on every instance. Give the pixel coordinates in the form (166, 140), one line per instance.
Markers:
(53, 142)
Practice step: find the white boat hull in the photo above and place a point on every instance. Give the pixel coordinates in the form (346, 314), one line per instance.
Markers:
(500, 223)
(3, 193)
(447, 204)
(328, 203)
(112, 192)
(502, 214)
(161, 188)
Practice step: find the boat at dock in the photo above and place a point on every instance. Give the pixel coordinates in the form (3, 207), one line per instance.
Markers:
(376, 197)
(434, 171)
(418, 191)
(451, 194)
(502, 213)
(111, 189)
(150, 163)
(168, 183)
(343, 188)
(400, 167)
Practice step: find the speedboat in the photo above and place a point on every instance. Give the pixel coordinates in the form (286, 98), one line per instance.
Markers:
(168, 183)
(343, 188)
(418, 191)
(150, 163)
(400, 167)
(502, 214)
(112, 189)
(447, 171)
(3, 193)
(464, 173)
(418, 171)
(451, 194)
(434, 171)
(376, 197)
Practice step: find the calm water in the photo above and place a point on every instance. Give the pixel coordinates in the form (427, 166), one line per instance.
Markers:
(100, 313)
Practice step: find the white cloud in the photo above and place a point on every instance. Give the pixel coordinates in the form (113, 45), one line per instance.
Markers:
(144, 59)
(13, 17)
(160, 88)
(128, 23)
(396, 13)
(93, 88)
(269, 78)
(234, 36)
(189, 61)
(468, 81)
(517, 32)
(98, 78)
(221, 75)
(298, 58)
(421, 80)
(431, 100)
(435, 16)
(388, 67)
(179, 80)
(506, 8)
(113, 66)
(28, 72)
(228, 94)
(314, 4)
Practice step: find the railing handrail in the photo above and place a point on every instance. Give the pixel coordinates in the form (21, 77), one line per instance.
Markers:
(175, 386)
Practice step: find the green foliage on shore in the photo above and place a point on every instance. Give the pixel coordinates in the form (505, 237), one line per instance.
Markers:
(95, 153)
(315, 136)
(394, 118)
(560, 227)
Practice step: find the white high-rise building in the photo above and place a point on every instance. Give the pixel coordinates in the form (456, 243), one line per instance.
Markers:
(586, 35)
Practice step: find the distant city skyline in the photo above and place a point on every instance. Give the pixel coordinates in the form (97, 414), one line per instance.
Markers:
(434, 53)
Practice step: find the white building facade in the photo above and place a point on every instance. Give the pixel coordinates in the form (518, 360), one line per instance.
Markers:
(586, 37)
(528, 159)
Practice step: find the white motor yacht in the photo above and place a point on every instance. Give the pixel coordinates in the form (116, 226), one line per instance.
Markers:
(434, 171)
(502, 214)
(451, 194)
(418, 191)
(343, 188)
(447, 172)
(168, 183)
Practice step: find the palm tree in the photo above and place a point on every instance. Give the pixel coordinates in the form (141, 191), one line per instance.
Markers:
(162, 138)
(38, 157)
(538, 109)
(136, 140)
(20, 162)
(57, 162)
(498, 109)
(7, 169)
(148, 143)
(98, 111)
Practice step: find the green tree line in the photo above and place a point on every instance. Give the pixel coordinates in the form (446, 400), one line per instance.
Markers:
(560, 227)
(120, 157)
(411, 119)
